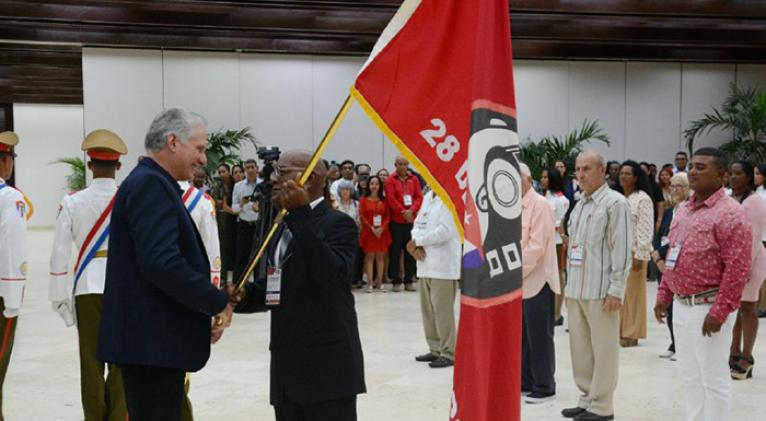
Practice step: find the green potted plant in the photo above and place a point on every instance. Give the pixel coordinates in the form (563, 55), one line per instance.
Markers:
(743, 116)
(538, 155)
(223, 148)
(75, 181)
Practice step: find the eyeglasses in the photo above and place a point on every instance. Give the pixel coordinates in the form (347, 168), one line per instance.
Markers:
(677, 187)
(280, 171)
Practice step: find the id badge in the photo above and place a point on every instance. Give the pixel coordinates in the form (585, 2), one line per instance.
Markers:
(273, 286)
(407, 200)
(377, 220)
(673, 254)
(576, 255)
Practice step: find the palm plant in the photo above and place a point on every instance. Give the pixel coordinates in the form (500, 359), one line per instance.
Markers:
(75, 181)
(223, 148)
(743, 114)
(561, 148)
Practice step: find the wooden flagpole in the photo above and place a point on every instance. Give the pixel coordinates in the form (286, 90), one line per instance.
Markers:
(301, 181)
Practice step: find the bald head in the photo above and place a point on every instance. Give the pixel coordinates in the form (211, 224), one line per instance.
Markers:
(291, 165)
(590, 170)
(402, 166)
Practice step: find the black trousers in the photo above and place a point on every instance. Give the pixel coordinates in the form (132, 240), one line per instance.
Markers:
(153, 393)
(335, 410)
(538, 356)
(401, 234)
(245, 237)
(672, 347)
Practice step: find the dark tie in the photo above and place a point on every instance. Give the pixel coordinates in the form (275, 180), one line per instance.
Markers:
(284, 241)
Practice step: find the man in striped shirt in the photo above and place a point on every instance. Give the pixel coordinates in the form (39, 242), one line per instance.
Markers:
(598, 264)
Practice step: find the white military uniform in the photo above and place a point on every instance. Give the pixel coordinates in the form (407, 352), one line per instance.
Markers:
(78, 214)
(14, 211)
(203, 216)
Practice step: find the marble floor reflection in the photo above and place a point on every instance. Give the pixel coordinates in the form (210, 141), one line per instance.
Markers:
(43, 380)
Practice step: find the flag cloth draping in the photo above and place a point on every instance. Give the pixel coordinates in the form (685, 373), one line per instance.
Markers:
(439, 84)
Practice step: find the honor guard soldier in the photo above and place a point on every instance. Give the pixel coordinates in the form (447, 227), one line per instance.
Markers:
(201, 207)
(14, 211)
(83, 220)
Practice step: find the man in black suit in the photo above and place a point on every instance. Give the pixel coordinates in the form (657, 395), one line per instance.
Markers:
(158, 299)
(316, 357)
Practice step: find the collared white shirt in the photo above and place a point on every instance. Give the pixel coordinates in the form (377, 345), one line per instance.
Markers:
(13, 248)
(203, 216)
(78, 213)
(244, 189)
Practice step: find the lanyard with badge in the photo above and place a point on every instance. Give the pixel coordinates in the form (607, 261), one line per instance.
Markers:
(577, 251)
(675, 251)
(274, 273)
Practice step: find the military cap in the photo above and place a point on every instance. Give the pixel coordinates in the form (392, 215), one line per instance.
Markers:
(8, 140)
(104, 145)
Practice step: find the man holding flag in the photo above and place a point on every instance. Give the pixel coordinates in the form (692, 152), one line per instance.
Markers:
(439, 84)
(83, 220)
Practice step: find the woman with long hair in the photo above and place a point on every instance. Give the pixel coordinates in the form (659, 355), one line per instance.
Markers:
(742, 181)
(664, 188)
(552, 184)
(679, 187)
(375, 237)
(237, 173)
(635, 186)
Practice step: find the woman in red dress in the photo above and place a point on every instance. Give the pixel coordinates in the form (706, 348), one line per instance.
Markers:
(375, 236)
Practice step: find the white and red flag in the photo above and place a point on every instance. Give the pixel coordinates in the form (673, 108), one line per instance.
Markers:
(439, 84)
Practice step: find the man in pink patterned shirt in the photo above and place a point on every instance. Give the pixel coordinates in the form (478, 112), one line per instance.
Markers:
(706, 267)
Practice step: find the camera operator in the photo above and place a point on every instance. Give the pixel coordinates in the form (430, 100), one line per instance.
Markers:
(247, 211)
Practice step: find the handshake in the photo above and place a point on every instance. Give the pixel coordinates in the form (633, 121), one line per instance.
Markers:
(223, 319)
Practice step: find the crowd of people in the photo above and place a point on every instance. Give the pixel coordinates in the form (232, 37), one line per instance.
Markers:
(696, 227)
(591, 240)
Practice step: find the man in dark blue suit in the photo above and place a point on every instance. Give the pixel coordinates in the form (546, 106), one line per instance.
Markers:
(317, 368)
(158, 300)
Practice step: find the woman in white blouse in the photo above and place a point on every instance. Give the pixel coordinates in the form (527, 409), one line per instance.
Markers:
(635, 186)
(553, 188)
(760, 188)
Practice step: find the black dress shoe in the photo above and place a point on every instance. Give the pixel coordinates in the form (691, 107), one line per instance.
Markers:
(441, 362)
(572, 412)
(590, 416)
(559, 321)
(426, 358)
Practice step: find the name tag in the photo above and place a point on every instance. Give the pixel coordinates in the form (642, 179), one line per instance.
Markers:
(664, 241)
(377, 220)
(273, 286)
(407, 200)
(576, 255)
(672, 258)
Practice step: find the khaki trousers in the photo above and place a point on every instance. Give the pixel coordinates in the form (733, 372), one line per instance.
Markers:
(437, 304)
(594, 345)
(633, 310)
(561, 256)
(101, 399)
(186, 406)
(7, 335)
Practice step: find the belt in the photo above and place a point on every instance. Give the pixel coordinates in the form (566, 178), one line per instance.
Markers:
(706, 297)
(101, 253)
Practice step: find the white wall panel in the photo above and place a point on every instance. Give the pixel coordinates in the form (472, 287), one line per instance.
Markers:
(751, 75)
(357, 137)
(277, 100)
(47, 133)
(704, 86)
(597, 92)
(122, 92)
(653, 111)
(542, 98)
(206, 83)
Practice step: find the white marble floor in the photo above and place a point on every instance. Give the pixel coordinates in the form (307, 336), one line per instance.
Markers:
(42, 382)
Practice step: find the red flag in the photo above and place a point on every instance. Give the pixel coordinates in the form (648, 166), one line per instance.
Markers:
(439, 84)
